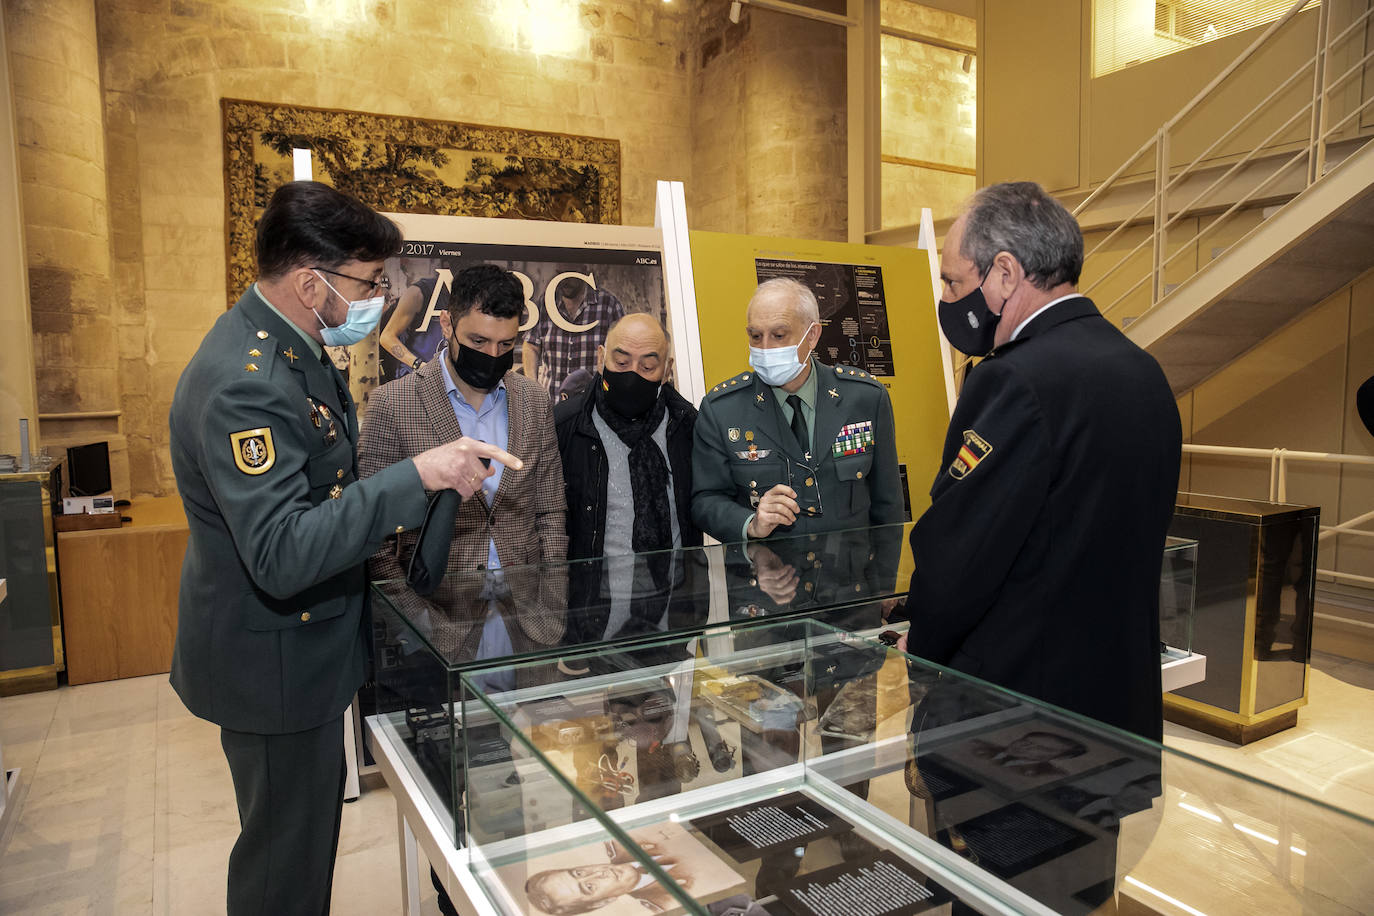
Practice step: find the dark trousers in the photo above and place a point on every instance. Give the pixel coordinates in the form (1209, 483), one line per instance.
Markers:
(290, 796)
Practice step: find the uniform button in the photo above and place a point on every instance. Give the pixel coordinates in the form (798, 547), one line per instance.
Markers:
(810, 557)
(753, 582)
(809, 586)
(339, 473)
(860, 475)
(753, 484)
(858, 588)
(589, 508)
(400, 528)
(810, 481)
(305, 617)
(810, 510)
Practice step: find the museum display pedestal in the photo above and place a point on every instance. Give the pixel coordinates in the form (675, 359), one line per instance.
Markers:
(1253, 617)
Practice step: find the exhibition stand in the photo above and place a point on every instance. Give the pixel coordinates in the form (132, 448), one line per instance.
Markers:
(1255, 588)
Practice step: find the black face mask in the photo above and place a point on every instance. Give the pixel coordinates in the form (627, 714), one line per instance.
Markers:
(479, 370)
(969, 325)
(628, 393)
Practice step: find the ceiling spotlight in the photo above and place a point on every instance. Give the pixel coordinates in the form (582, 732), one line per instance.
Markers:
(736, 7)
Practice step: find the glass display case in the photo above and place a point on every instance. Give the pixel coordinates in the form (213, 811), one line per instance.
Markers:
(542, 614)
(710, 616)
(30, 620)
(793, 768)
(1177, 596)
(1255, 579)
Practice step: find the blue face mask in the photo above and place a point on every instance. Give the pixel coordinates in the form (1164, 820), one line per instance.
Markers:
(776, 366)
(362, 317)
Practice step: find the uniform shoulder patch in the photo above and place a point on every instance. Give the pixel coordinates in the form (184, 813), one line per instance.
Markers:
(971, 453)
(254, 450)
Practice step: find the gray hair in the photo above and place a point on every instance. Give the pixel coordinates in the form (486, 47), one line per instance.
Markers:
(803, 300)
(1018, 217)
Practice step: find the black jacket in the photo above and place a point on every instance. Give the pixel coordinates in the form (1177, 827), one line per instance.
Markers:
(584, 470)
(585, 473)
(1037, 563)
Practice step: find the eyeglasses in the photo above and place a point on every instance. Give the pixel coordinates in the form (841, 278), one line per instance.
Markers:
(383, 282)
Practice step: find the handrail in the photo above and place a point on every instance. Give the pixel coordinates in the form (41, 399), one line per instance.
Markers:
(1279, 459)
(1236, 64)
(1225, 167)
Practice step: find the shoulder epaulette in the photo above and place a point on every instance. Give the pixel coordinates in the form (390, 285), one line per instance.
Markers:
(731, 383)
(849, 372)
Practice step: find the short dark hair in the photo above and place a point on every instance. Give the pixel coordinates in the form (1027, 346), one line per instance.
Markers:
(489, 289)
(1020, 218)
(308, 223)
(570, 287)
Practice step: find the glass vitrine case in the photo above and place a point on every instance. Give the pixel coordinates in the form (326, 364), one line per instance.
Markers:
(544, 614)
(728, 730)
(795, 768)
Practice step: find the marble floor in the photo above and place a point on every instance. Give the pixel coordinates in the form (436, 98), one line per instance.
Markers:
(127, 805)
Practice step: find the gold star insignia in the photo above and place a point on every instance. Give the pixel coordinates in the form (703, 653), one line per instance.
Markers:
(263, 335)
(290, 354)
(759, 398)
(833, 393)
(255, 352)
(251, 367)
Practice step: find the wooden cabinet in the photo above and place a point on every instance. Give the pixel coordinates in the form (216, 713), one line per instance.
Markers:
(119, 589)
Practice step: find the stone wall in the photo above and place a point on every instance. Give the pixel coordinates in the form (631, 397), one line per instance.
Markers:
(122, 159)
(769, 125)
(55, 67)
(929, 106)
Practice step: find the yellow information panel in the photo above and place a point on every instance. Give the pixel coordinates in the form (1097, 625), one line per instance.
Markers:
(877, 314)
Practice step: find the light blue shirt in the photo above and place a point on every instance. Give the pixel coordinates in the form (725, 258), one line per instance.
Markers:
(489, 424)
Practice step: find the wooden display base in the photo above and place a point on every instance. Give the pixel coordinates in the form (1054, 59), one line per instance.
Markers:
(1235, 732)
(85, 521)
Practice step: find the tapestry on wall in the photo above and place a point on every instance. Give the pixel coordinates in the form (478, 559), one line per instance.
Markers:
(410, 165)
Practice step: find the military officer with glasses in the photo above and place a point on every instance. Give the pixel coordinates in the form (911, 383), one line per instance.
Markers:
(271, 630)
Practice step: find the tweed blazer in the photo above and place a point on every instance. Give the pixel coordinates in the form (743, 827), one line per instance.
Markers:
(526, 519)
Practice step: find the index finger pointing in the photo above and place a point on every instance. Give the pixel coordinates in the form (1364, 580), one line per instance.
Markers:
(487, 450)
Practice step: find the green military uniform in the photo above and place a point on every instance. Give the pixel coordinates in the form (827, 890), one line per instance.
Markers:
(744, 447)
(271, 624)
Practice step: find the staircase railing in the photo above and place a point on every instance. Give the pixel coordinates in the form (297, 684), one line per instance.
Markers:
(1279, 459)
(1332, 118)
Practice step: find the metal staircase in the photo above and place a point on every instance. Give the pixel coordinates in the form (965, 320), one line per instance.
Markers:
(1200, 260)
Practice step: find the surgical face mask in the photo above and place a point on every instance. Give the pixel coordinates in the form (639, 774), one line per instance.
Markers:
(628, 393)
(362, 317)
(777, 366)
(968, 324)
(480, 370)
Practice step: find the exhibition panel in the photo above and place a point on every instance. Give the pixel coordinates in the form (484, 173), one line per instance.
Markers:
(796, 768)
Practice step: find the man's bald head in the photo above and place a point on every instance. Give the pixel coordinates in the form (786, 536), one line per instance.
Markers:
(636, 343)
